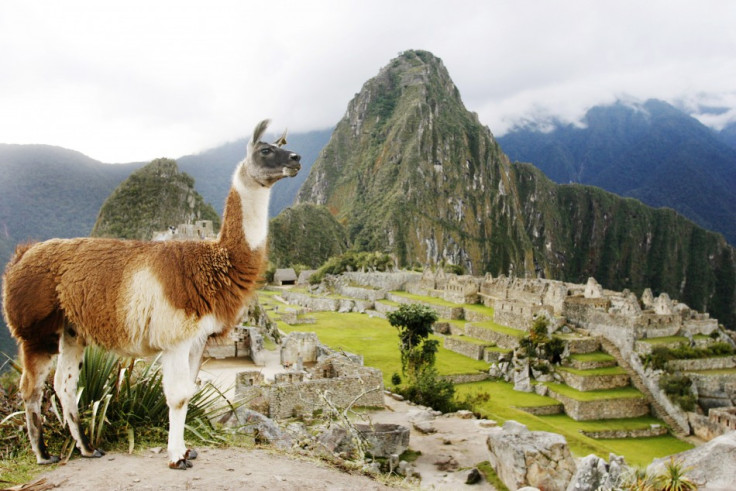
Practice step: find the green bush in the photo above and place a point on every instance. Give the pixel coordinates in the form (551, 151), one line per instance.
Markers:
(429, 389)
(679, 389)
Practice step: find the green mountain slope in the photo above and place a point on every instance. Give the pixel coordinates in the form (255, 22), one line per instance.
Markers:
(649, 151)
(305, 234)
(150, 199)
(409, 170)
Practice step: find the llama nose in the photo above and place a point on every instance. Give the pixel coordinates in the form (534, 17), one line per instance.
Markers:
(295, 156)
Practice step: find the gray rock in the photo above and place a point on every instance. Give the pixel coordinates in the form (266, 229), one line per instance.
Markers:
(712, 465)
(424, 427)
(530, 458)
(264, 429)
(594, 473)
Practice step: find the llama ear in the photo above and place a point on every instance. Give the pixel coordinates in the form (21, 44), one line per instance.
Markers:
(281, 141)
(259, 131)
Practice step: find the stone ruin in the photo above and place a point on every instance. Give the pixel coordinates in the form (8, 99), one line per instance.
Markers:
(199, 230)
(318, 380)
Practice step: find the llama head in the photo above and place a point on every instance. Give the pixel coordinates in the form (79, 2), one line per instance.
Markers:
(266, 163)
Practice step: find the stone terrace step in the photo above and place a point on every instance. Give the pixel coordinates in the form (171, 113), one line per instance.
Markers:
(505, 337)
(581, 407)
(578, 344)
(588, 361)
(596, 379)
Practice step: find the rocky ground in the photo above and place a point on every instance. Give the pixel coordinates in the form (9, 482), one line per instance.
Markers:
(450, 448)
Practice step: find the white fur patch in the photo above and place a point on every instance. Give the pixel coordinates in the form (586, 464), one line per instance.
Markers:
(154, 323)
(254, 203)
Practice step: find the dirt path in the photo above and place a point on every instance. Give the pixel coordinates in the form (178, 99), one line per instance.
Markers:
(214, 469)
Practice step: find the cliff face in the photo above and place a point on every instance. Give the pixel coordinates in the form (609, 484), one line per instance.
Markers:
(410, 171)
(152, 198)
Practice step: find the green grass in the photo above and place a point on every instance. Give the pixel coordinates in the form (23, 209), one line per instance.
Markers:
(378, 342)
(489, 473)
(501, 329)
(470, 340)
(481, 309)
(666, 340)
(426, 299)
(595, 356)
(595, 371)
(638, 452)
(595, 395)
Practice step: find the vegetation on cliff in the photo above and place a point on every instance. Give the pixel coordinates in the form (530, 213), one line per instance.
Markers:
(409, 171)
(152, 198)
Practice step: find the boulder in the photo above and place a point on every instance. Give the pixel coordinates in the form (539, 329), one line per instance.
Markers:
(595, 473)
(530, 458)
(711, 466)
(264, 429)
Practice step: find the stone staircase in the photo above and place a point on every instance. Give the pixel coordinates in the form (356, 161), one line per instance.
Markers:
(657, 409)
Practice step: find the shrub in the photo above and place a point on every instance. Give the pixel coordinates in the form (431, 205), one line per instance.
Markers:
(429, 389)
(679, 389)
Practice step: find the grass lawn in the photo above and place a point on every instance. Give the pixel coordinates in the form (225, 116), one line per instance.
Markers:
(467, 339)
(638, 452)
(481, 309)
(666, 340)
(595, 395)
(377, 341)
(426, 299)
(499, 328)
(595, 356)
(595, 371)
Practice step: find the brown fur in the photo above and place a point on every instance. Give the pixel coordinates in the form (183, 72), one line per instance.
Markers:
(82, 281)
(139, 298)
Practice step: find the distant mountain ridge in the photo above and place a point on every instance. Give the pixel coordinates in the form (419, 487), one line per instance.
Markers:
(410, 171)
(650, 151)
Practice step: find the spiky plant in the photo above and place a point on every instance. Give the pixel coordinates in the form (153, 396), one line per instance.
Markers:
(674, 478)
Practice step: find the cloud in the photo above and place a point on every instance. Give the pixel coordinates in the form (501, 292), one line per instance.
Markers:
(134, 80)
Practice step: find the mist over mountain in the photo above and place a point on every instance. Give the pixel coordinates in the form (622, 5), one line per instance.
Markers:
(650, 151)
(410, 171)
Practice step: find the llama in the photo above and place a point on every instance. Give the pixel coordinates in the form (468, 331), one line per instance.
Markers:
(140, 298)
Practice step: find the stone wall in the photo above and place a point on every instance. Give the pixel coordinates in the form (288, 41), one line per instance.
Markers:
(444, 311)
(714, 390)
(716, 363)
(602, 409)
(652, 431)
(594, 382)
(543, 410)
(466, 348)
(500, 339)
(474, 316)
(466, 378)
(326, 304)
(384, 281)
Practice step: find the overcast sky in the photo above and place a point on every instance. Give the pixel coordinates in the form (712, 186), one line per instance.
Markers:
(134, 80)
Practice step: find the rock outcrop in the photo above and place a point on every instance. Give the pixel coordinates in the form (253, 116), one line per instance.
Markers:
(530, 458)
(710, 466)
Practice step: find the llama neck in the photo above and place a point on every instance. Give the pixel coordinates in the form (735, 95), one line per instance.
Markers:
(246, 216)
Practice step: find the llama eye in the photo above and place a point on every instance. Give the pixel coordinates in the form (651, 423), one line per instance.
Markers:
(265, 151)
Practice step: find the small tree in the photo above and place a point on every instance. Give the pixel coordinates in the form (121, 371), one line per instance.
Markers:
(418, 353)
(414, 323)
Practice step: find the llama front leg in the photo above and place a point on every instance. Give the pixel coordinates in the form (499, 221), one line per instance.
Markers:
(71, 353)
(178, 388)
(36, 367)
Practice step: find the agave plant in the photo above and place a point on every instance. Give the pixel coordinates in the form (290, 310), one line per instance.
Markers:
(673, 477)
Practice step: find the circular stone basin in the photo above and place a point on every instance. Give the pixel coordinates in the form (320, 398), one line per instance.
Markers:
(384, 439)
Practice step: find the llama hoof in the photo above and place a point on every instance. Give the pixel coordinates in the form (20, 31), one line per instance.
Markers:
(191, 454)
(181, 465)
(96, 454)
(53, 459)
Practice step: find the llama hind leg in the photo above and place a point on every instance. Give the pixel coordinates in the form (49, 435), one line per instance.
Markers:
(178, 388)
(36, 368)
(71, 353)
